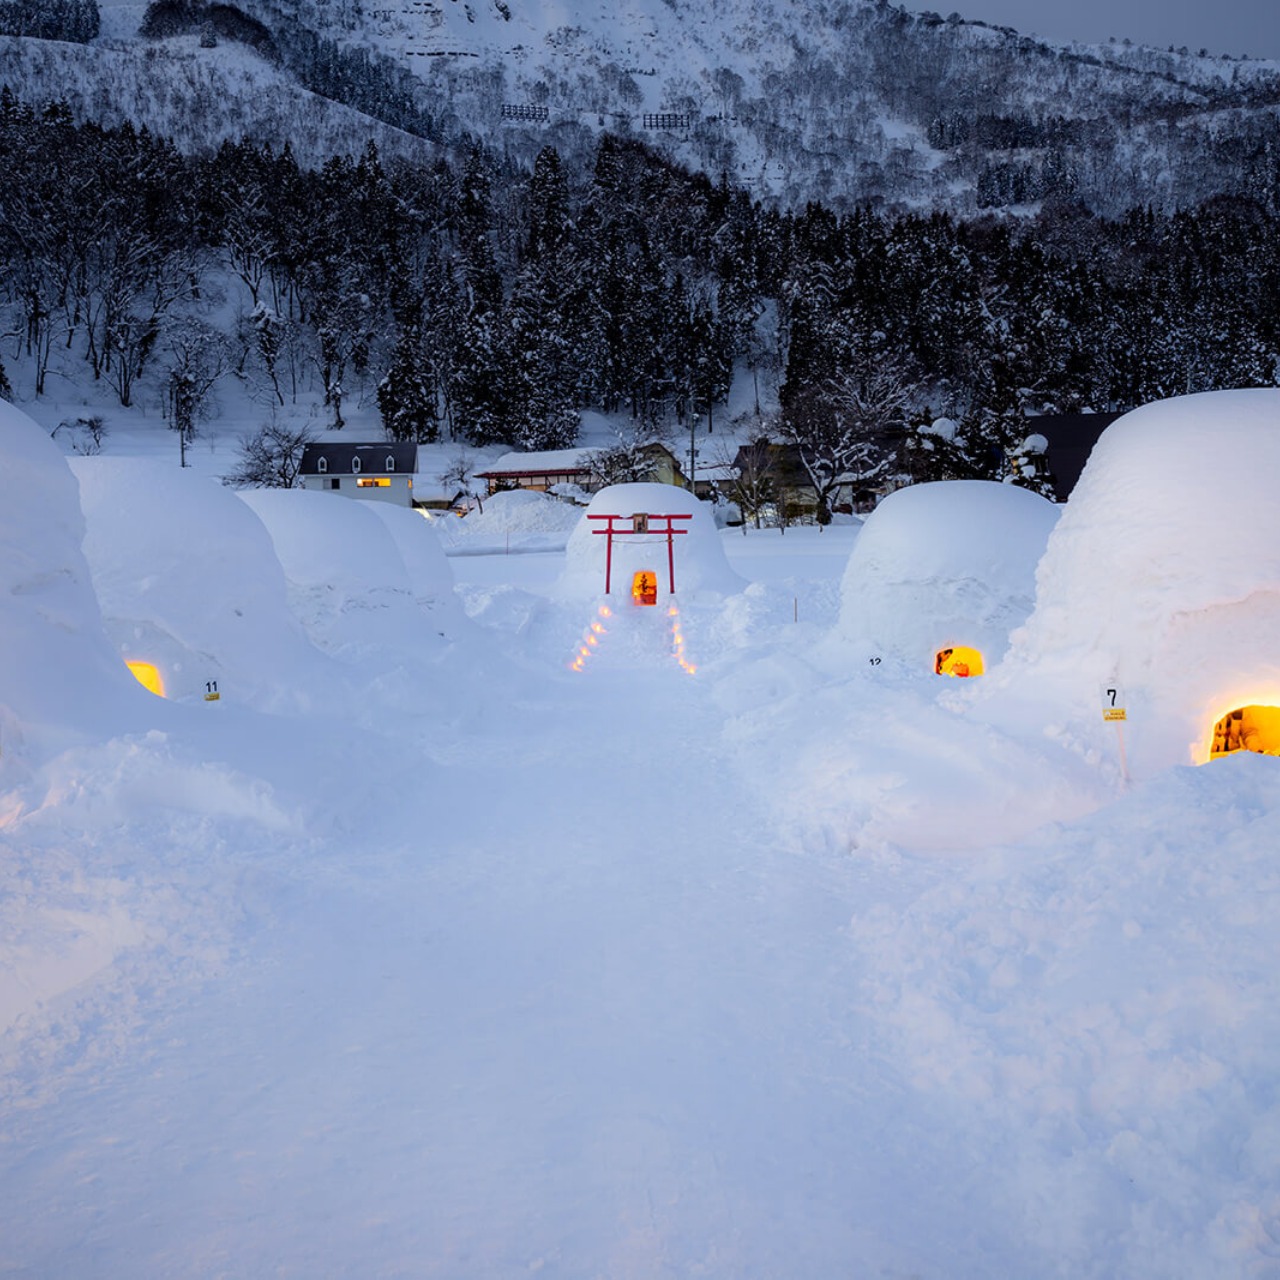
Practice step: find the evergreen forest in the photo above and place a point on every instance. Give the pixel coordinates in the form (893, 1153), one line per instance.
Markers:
(491, 302)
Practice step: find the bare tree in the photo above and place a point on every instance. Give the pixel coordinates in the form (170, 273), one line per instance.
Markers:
(754, 482)
(845, 431)
(271, 458)
(198, 356)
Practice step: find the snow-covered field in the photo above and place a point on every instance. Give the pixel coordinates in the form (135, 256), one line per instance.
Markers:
(749, 948)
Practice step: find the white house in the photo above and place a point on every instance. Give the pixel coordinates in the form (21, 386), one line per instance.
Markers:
(379, 472)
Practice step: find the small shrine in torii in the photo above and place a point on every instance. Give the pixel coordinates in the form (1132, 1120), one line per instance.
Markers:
(647, 543)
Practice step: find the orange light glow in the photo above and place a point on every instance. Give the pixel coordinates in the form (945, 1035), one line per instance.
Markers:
(644, 587)
(960, 660)
(148, 676)
(373, 482)
(1252, 728)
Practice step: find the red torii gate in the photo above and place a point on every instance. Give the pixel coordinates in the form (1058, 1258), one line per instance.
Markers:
(641, 522)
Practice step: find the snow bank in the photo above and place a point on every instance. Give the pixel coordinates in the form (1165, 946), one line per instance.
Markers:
(1163, 577)
(59, 673)
(188, 580)
(941, 565)
(533, 521)
(700, 561)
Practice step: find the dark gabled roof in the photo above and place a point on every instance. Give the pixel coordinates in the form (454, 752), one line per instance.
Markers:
(338, 457)
(1071, 438)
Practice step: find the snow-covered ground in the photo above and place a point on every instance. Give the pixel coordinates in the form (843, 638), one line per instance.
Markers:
(420, 953)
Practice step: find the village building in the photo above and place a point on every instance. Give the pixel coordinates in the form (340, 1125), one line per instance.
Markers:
(377, 472)
(583, 469)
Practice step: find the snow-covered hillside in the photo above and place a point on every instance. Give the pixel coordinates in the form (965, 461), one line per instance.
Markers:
(850, 103)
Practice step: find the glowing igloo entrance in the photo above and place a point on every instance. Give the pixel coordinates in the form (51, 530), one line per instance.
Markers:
(1251, 728)
(147, 675)
(958, 660)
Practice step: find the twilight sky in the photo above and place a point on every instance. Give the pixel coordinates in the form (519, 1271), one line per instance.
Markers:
(1222, 26)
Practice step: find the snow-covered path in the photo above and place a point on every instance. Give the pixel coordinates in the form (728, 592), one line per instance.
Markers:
(626, 973)
(602, 1024)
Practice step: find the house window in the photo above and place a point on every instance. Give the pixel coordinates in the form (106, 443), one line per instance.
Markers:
(322, 465)
(373, 482)
(335, 484)
(391, 464)
(355, 465)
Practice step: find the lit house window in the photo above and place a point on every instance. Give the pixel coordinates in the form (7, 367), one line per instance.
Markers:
(373, 482)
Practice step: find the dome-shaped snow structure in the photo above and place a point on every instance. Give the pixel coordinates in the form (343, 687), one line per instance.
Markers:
(59, 674)
(637, 561)
(347, 582)
(941, 573)
(1163, 577)
(430, 575)
(190, 585)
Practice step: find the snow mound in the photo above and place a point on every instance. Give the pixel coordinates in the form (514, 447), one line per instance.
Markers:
(347, 582)
(60, 677)
(536, 520)
(1163, 576)
(700, 562)
(942, 565)
(188, 580)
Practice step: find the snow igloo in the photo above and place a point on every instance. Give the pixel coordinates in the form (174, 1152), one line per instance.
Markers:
(60, 677)
(638, 559)
(1162, 580)
(348, 584)
(940, 574)
(190, 588)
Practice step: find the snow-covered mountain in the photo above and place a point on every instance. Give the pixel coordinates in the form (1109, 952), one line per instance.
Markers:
(849, 102)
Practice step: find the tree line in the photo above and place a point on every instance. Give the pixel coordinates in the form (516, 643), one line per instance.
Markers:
(482, 300)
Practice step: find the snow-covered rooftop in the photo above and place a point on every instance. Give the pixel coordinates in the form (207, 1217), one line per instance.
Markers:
(545, 461)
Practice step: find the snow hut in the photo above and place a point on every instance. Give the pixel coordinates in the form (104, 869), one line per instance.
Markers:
(430, 576)
(940, 575)
(347, 581)
(635, 542)
(60, 676)
(1163, 577)
(190, 588)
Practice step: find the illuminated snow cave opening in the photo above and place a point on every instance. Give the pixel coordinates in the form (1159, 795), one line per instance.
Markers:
(1251, 728)
(959, 660)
